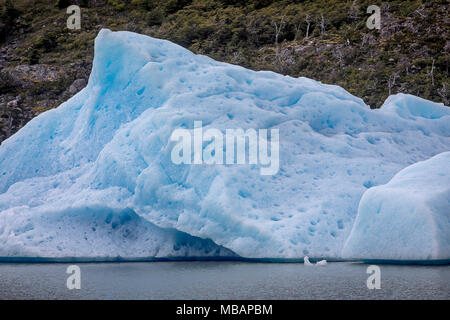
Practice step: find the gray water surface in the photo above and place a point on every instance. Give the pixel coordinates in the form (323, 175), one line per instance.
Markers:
(222, 280)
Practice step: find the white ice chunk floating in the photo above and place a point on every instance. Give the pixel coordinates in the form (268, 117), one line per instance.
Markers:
(321, 263)
(306, 261)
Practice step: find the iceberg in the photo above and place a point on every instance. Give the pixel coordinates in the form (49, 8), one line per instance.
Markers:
(94, 177)
(306, 261)
(406, 219)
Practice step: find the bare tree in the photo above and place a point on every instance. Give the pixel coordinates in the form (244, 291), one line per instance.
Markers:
(297, 29)
(443, 93)
(404, 61)
(391, 81)
(308, 24)
(420, 11)
(278, 28)
(367, 39)
(238, 57)
(431, 73)
(323, 24)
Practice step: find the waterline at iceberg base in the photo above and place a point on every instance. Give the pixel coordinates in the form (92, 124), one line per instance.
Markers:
(93, 178)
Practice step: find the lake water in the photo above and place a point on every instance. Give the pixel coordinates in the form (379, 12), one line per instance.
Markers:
(222, 280)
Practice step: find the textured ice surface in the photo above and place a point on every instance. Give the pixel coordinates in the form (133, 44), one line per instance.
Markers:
(96, 232)
(107, 151)
(408, 218)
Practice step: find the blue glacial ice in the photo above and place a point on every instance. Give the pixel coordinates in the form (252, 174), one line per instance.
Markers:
(94, 177)
(408, 218)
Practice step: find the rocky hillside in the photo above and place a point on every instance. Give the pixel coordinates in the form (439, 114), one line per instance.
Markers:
(43, 63)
